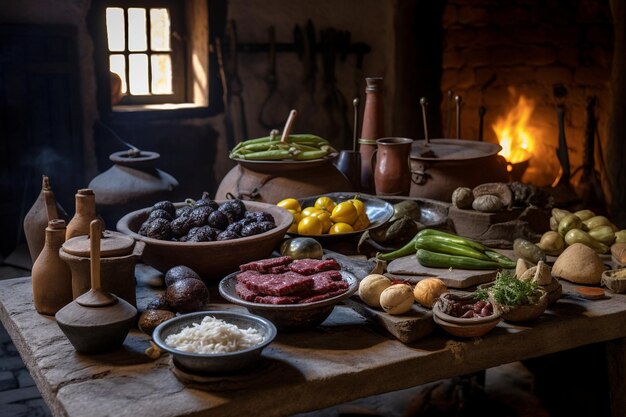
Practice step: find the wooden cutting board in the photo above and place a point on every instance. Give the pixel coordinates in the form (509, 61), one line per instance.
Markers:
(415, 324)
(409, 269)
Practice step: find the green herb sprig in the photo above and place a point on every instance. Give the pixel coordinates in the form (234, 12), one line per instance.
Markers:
(510, 291)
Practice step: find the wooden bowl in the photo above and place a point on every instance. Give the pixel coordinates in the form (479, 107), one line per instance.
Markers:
(460, 327)
(289, 317)
(524, 313)
(613, 283)
(211, 260)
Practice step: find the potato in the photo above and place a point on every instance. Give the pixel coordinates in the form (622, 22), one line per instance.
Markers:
(371, 287)
(397, 299)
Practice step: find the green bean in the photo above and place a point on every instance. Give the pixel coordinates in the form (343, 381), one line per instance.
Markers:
(307, 155)
(270, 155)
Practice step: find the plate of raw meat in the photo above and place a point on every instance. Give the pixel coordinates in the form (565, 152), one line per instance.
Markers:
(293, 294)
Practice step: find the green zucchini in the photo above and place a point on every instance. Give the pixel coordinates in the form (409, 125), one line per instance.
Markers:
(504, 261)
(442, 260)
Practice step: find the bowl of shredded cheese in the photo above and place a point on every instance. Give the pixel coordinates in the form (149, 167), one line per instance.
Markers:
(215, 341)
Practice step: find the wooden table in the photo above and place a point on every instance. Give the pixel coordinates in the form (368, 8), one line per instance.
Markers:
(341, 360)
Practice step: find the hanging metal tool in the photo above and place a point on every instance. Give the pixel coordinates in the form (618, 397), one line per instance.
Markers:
(563, 178)
(234, 97)
(482, 110)
(457, 100)
(427, 153)
(271, 80)
(589, 183)
(449, 96)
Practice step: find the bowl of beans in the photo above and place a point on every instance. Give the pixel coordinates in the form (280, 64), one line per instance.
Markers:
(465, 315)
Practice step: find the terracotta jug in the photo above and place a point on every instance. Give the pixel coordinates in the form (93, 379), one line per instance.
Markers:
(36, 220)
(85, 213)
(392, 167)
(373, 129)
(51, 277)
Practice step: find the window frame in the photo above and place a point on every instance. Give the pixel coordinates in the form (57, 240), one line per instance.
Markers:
(163, 109)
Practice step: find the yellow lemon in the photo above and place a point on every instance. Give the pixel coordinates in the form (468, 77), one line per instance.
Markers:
(325, 203)
(324, 217)
(344, 212)
(339, 228)
(297, 216)
(309, 211)
(362, 222)
(289, 204)
(359, 205)
(310, 225)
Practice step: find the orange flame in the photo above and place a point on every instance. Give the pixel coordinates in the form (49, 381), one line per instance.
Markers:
(514, 132)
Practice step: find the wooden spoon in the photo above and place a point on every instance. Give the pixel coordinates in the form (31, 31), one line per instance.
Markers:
(288, 125)
(96, 296)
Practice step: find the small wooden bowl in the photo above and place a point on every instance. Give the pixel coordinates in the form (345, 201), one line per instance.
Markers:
(456, 326)
(524, 313)
(613, 283)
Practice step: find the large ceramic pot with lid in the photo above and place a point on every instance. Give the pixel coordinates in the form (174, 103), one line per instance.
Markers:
(439, 166)
(272, 181)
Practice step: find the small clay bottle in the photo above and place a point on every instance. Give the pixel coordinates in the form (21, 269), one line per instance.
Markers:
(85, 213)
(51, 277)
(36, 220)
(373, 129)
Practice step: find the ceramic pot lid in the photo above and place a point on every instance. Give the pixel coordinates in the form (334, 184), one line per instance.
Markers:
(452, 149)
(111, 244)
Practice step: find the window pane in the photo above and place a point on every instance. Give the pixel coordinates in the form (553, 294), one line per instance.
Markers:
(117, 64)
(115, 28)
(161, 74)
(138, 65)
(159, 30)
(137, 36)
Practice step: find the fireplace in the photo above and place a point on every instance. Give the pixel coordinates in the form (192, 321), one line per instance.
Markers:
(515, 62)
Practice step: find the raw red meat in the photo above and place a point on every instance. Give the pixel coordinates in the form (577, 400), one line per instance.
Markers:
(244, 293)
(264, 265)
(328, 281)
(324, 296)
(273, 299)
(312, 266)
(275, 284)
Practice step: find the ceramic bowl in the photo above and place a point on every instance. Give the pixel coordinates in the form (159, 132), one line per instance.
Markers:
(219, 363)
(289, 317)
(527, 312)
(211, 260)
(460, 327)
(613, 281)
(378, 211)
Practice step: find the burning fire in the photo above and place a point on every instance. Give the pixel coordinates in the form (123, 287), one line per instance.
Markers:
(514, 132)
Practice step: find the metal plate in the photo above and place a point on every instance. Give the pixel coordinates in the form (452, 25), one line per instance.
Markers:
(452, 149)
(378, 211)
(271, 167)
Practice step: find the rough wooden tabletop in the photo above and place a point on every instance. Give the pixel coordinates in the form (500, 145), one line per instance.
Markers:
(344, 359)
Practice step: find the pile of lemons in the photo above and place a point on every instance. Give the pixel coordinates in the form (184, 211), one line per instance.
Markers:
(326, 216)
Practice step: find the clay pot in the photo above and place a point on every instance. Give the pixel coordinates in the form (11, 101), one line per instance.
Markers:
(131, 183)
(438, 169)
(36, 220)
(117, 263)
(51, 277)
(85, 214)
(392, 172)
(272, 181)
(97, 321)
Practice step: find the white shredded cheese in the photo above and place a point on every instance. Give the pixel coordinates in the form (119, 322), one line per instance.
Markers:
(214, 336)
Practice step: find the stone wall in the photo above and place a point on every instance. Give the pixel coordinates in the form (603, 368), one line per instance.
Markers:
(529, 47)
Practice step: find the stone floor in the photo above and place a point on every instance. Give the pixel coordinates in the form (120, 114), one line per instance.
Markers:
(507, 389)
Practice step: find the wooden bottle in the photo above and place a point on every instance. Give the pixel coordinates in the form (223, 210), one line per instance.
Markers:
(36, 220)
(51, 277)
(373, 129)
(85, 213)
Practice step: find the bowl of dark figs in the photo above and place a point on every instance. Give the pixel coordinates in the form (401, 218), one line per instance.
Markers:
(464, 315)
(211, 237)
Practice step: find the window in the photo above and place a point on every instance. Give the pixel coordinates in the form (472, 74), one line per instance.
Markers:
(158, 53)
(145, 51)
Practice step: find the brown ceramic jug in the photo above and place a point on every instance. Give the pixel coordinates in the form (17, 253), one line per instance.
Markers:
(373, 129)
(51, 277)
(85, 213)
(392, 169)
(36, 220)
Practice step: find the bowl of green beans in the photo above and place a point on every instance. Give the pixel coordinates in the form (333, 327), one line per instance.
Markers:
(296, 152)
